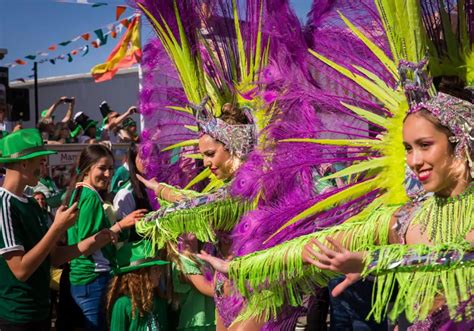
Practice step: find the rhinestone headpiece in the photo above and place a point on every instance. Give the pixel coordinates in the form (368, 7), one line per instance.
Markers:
(239, 139)
(452, 112)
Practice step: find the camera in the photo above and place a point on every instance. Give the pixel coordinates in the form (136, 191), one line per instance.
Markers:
(3, 52)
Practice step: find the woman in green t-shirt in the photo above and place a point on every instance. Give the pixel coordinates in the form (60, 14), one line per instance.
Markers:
(134, 299)
(90, 274)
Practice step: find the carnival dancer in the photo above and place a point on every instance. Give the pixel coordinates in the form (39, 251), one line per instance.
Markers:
(211, 62)
(276, 276)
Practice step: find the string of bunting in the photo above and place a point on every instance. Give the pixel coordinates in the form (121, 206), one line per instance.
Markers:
(112, 29)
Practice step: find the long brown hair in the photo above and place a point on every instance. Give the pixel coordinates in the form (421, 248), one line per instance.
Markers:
(138, 286)
(89, 156)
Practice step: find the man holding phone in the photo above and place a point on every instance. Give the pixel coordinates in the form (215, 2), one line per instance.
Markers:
(112, 120)
(27, 246)
(46, 123)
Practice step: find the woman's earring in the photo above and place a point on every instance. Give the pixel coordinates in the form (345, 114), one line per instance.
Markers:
(235, 164)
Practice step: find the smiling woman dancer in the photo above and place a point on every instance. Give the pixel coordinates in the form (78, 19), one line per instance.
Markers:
(424, 246)
(224, 142)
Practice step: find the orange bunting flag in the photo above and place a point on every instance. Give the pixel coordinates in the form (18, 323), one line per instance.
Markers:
(119, 11)
(125, 22)
(85, 36)
(20, 62)
(126, 53)
(52, 47)
(74, 52)
(113, 33)
(95, 44)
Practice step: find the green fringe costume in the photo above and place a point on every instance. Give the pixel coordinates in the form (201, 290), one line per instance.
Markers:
(277, 275)
(200, 214)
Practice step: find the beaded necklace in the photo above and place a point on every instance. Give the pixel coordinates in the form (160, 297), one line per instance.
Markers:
(447, 219)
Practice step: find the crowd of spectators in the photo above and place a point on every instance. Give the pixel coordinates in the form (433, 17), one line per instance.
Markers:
(80, 128)
(54, 181)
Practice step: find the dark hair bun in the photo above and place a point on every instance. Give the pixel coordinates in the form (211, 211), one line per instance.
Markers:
(233, 115)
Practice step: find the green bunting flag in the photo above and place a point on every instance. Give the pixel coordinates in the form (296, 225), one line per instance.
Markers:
(100, 34)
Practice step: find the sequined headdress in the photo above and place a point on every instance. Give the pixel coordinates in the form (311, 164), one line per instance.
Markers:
(238, 139)
(452, 112)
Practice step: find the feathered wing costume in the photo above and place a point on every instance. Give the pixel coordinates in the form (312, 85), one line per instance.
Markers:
(217, 56)
(277, 276)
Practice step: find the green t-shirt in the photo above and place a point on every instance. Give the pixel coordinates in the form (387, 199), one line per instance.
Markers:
(197, 310)
(121, 318)
(92, 219)
(22, 225)
(121, 176)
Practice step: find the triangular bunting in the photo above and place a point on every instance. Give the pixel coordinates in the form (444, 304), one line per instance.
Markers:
(125, 22)
(113, 32)
(52, 47)
(30, 57)
(99, 4)
(101, 36)
(20, 62)
(85, 49)
(119, 11)
(69, 57)
(65, 43)
(85, 36)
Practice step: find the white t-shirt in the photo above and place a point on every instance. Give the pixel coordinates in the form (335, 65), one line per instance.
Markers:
(6, 126)
(124, 202)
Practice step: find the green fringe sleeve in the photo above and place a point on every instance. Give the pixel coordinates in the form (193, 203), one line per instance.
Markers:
(202, 216)
(420, 273)
(276, 276)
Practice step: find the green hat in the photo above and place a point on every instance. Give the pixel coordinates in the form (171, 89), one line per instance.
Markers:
(136, 255)
(44, 112)
(22, 145)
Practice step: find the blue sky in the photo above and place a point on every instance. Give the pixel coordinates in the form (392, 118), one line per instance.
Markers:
(28, 26)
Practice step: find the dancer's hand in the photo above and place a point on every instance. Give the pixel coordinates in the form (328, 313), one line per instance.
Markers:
(338, 259)
(217, 263)
(151, 184)
(350, 279)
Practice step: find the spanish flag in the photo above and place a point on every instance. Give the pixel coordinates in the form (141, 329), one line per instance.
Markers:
(125, 54)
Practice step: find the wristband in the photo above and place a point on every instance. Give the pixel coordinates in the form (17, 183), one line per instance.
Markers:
(119, 226)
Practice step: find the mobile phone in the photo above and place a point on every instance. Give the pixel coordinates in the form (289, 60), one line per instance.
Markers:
(77, 195)
(68, 100)
(104, 107)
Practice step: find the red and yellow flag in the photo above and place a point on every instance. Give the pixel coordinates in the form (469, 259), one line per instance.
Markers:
(125, 54)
